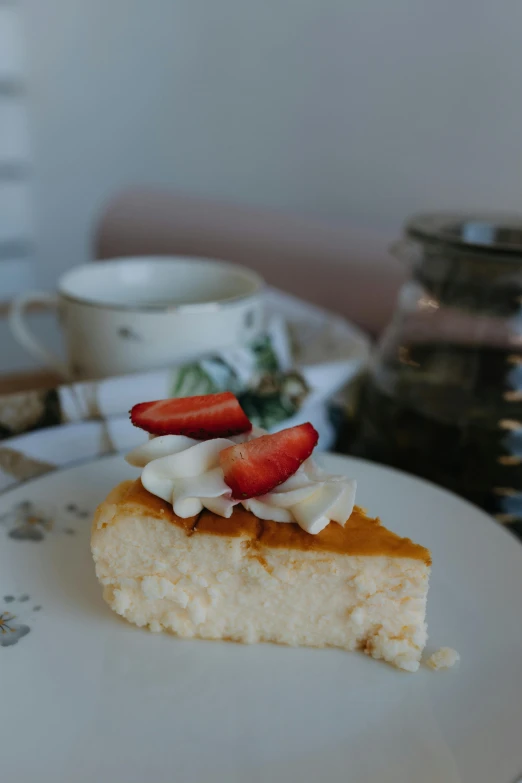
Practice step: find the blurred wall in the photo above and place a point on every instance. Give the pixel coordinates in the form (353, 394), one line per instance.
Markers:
(16, 234)
(359, 111)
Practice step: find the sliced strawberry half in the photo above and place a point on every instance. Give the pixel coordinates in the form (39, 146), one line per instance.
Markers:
(256, 467)
(204, 417)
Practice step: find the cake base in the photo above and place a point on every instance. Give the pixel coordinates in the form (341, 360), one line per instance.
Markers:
(249, 581)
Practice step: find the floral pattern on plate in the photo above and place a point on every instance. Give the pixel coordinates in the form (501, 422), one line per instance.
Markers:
(26, 523)
(11, 633)
(11, 629)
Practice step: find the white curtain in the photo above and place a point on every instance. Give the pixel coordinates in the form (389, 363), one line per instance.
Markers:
(16, 251)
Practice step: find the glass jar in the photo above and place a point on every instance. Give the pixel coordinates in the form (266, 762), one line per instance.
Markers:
(443, 398)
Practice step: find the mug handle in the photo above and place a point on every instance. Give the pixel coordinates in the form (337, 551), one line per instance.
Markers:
(23, 335)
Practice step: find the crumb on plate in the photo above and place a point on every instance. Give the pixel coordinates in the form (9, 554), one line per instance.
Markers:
(444, 658)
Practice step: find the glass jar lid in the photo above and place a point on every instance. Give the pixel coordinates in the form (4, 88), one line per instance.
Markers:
(494, 234)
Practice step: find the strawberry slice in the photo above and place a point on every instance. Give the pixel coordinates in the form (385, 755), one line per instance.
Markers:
(256, 467)
(204, 417)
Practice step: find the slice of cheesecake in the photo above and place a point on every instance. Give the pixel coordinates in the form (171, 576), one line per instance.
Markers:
(244, 579)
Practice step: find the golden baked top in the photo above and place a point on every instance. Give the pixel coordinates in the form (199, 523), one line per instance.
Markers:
(360, 536)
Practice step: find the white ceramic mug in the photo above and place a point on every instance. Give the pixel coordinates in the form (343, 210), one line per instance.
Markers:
(132, 314)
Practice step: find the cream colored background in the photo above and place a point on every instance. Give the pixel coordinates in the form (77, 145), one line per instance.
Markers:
(350, 110)
(355, 112)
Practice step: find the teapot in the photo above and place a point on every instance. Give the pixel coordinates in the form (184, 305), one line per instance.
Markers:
(443, 396)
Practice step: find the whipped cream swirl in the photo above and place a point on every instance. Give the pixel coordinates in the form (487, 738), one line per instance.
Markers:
(187, 473)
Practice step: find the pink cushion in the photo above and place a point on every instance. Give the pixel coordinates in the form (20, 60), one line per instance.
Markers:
(343, 268)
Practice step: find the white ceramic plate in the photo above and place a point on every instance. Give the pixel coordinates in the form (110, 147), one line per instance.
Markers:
(86, 697)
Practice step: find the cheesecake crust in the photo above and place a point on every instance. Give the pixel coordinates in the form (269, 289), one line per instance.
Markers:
(361, 536)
